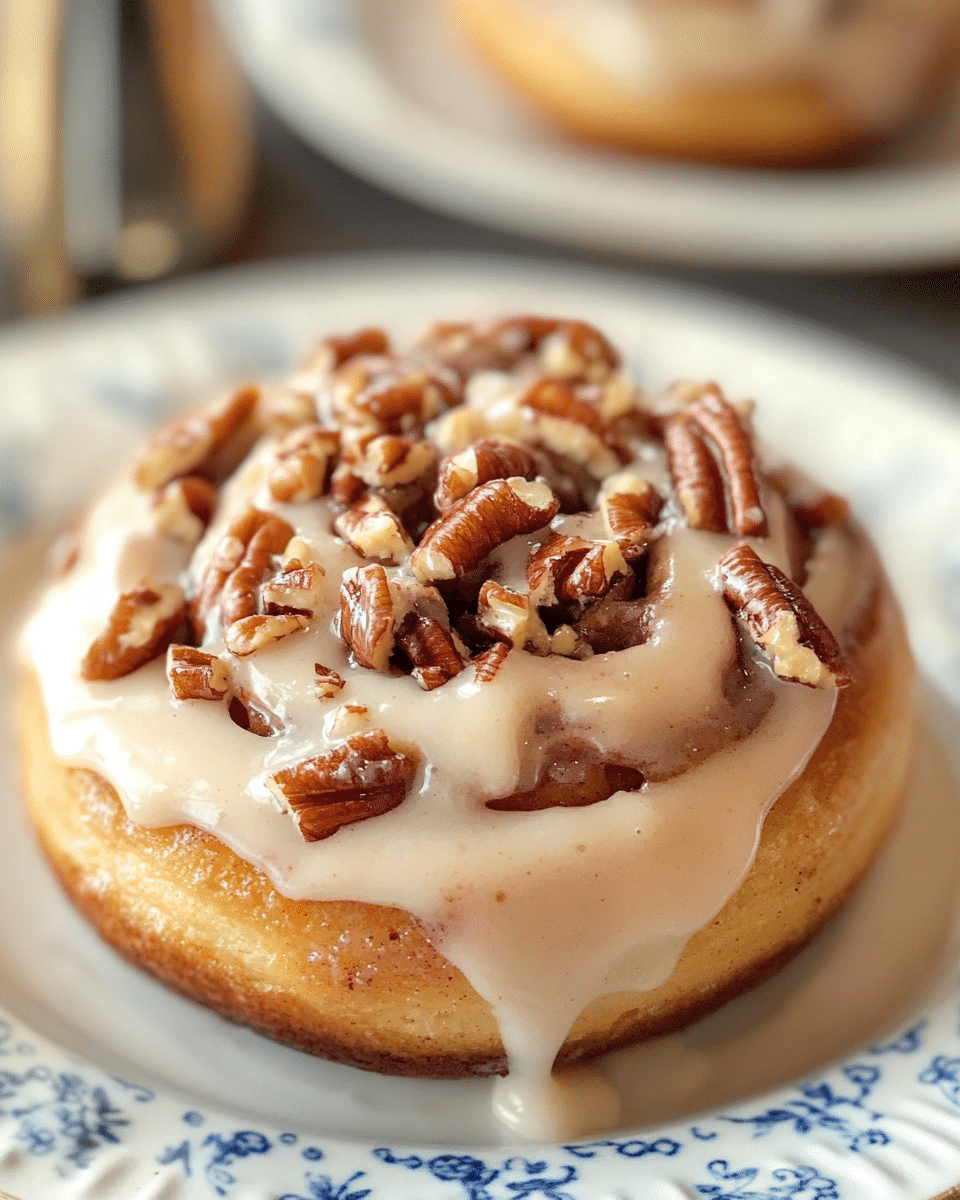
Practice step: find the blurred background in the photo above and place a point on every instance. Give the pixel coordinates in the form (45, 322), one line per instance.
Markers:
(143, 140)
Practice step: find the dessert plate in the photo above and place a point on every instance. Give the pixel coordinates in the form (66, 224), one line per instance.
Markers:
(389, 91)
(112, 1088)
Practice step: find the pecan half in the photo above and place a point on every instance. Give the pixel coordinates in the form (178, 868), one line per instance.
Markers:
(191, 442)
(182, 510)
(491, 514)
(141, 625)
(302, 460)
(696, 480)
(239, 597)
(595, 573)
(367, 620)
(431, 647)
(227, 556)
(717, 417)
(363, 778)
(781, 620)
(486, 459)
(550, 563)
(249, 634)
(196, 675)
(374, 530)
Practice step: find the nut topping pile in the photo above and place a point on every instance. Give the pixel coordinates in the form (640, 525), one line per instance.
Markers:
(502, 489)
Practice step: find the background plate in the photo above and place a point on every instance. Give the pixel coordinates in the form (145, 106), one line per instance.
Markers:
(111, 1088)
(388, 90)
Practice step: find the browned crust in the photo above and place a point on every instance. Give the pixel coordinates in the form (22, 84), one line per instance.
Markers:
(787, 123)
(360, 985)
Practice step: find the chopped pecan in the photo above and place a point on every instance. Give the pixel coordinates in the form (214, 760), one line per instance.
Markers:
(365, 777)
(512, 617)
(327, 682)
(630, 509)
(182, 510)
(347, 720)
(387, 460)
(333, 352)
(294, 590)
(781, 620)
(367, 619)
(553, 398)
(594, 574)
(302, 460)
(239, 597)
(491, 514)
(249, 634)
(696, 480)
(488, 664)
(392, 397)
(227, 555)
(346, 486)
(431, 647)
(374, 530)
(196, 675)
(717, 417)
(550, 563)
(141, 625)
(190, 443)
(252, 714)
(486, 459)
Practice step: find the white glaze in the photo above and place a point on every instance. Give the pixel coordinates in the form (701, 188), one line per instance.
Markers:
(872, 61)
(543, 911)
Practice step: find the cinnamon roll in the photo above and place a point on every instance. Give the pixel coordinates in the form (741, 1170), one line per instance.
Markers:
(750, 82)
(464, 708)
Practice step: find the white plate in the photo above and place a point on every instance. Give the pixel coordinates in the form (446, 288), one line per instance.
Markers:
(388, 90)
(112, 1088)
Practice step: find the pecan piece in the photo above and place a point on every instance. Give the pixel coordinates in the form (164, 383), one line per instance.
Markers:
(491, 514)
(226, 558)
(511, 617)
(334, 351)
(552, 398)
(391, 397)
(488, 664)
(182, 510)
(327, 682)
(486, 459)
(550, 563)
(717, 417)
(696, 480)
(595, 573)
(781, 620)
(631, 512)
(431, 647)
(367, 621)
(387, 460)
(365, 777)
(141, 625)
(191, 442)
(295, 590)
(302, 459)
(239, 597)
(374, 530)
(196, 675)
(249, 634)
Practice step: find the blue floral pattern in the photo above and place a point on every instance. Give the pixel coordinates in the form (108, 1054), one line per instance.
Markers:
(67, 1122)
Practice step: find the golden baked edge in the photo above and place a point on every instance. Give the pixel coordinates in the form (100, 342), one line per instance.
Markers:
(358, 983)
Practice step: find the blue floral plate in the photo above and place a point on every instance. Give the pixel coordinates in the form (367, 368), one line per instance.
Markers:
(838, 1079)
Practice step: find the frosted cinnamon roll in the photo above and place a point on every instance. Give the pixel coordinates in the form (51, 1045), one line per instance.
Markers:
(755, 82)
(464, 710)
